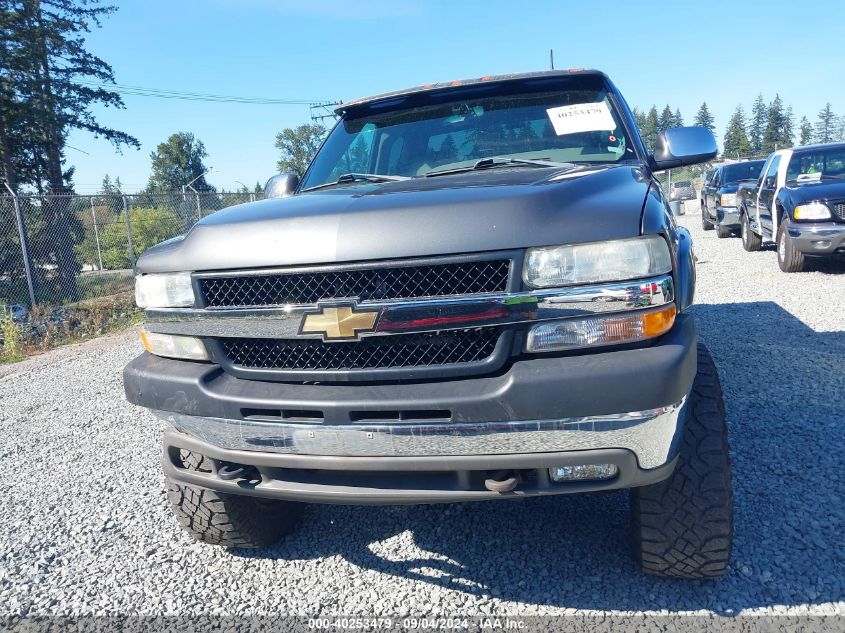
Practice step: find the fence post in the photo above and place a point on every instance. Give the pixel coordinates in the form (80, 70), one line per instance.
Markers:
(252, 197)
(199, 210)
(128, 233)
(27, 264)
(96, 234)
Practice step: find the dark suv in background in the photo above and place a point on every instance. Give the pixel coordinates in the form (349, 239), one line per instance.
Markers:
(718, 196)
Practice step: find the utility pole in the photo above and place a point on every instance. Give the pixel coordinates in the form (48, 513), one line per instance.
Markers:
(551, 59)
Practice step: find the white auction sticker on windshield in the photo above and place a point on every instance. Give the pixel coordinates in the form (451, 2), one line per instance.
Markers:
(581, 117)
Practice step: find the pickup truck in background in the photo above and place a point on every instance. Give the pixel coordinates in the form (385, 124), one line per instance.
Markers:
(799, 203)
(475, 291)
(718, 196)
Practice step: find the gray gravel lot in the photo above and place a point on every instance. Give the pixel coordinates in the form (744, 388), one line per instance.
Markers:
(86, 528)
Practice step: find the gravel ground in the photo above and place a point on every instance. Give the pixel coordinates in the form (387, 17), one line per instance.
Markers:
(87, 529)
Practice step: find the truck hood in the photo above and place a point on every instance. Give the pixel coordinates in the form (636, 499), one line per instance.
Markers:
(496, 209)
(823, 189)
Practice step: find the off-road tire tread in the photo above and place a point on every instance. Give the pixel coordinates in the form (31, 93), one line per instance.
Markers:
(722, 232)
(682, 527)
(229, 520)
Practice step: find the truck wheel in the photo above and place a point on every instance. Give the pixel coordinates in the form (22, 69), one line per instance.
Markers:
(682, 527)
(722, 232)
(790, 259)
(705, 223)
(750, 240)
(229, 520)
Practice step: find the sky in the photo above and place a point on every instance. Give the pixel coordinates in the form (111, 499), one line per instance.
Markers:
(675, 52)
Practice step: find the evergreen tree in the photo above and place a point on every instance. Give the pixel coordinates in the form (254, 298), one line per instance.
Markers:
(639, 118)
(45, 93)
(788, 131)
(704, 118)
(665, 121)
(736, 144)
(806, 131)
(773, 133)
(825, 125)
(757, 125)
(649, 128)
(677, 119)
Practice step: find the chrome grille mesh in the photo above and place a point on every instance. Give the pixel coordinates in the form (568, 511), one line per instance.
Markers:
(839, 210)
(370, 284)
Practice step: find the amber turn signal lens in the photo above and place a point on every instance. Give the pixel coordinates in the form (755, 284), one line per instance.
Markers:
(656, 323)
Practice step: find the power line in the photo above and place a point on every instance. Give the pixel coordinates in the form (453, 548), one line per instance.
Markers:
(160, 93)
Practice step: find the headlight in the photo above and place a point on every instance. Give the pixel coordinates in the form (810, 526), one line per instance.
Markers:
(812, 211)
(169, 290)
(728, 200)
(173, 346)
(615, 260)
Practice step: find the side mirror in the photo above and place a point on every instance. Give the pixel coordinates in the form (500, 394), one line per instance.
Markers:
(680, 146)
(281, 185)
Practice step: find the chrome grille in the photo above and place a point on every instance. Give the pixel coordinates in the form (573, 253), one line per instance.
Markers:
(402, 350)
(839, 210)
(367, 284)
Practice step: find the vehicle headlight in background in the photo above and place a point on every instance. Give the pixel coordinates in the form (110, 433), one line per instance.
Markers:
(168, 290)
(557, 336)
(173, 346)
(728, 200)
(812, 211)
(614, 260)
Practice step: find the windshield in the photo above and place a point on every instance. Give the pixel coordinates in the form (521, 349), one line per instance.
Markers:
(742, 171)
(817, 164)
(574, 123)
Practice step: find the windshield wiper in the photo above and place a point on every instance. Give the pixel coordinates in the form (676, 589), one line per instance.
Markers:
(355, 177)
(496, 161)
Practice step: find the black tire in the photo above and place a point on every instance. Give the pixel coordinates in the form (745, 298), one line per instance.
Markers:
(790, 259)
(722, 232)
(229, 520)
(705, 223)
(682, 527)
(750, 240)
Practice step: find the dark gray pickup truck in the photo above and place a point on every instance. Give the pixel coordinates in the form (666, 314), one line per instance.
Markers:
(476, 291)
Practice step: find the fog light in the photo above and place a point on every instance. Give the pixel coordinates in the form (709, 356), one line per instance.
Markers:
(595, 331)
(821, 244)
(170, 346)
(583, 473)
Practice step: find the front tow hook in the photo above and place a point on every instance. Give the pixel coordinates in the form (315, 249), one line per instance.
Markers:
(502, 481)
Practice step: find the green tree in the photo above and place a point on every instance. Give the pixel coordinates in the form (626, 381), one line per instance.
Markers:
(45, 93)
(649, 128)
(704, 118)
(736, 142)
(805, 130)
(773, 133)
(665, 121)
(177, 162)
(757, 125)
(150, 226)
(825, 125)
(298, 146)
(677, 119)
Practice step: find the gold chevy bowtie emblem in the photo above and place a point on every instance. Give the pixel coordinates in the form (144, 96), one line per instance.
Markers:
(339, 323)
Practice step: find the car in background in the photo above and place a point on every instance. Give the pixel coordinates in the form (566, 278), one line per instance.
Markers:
(681, 191)
(799, 203)
(718, 196)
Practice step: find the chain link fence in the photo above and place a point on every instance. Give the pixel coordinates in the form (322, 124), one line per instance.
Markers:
(58, 250)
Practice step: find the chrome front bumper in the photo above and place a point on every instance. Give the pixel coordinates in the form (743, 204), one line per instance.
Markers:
(652, 436)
